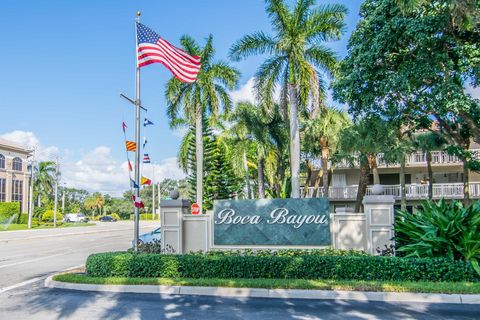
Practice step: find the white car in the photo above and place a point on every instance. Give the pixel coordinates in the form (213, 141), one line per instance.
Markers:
(75, 217)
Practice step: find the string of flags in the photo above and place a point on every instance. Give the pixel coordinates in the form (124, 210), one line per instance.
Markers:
(131, 146)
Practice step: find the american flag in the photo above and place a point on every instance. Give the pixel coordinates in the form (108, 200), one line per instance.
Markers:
(153, 48)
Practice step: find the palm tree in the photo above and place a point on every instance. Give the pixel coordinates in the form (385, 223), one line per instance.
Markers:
(44, 174)
(363, 142)
(322, 134)
(428, 142)
(206, 96)
(295, 51)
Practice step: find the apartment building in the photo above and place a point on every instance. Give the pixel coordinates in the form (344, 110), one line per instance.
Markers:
(14, 175)
(447, 180)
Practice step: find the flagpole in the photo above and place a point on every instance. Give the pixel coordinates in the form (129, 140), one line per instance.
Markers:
(137, 137)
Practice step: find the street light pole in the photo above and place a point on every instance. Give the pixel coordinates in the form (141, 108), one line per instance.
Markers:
(56, 195)
(30, 200)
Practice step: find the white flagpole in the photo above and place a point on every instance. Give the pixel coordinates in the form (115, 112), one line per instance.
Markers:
(137, 138)
(153, 192)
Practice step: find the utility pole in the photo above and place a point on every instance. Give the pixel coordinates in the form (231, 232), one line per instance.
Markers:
(30, 196)
(63, 200)
(158, 200)
(56, 195)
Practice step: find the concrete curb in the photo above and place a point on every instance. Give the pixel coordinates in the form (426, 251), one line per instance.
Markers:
(271, 293)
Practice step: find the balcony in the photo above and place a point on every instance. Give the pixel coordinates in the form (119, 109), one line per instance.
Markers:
(413, 191)
(418, 159)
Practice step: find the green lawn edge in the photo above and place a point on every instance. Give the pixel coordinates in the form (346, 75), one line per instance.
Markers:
(16, 226)
(347, 285)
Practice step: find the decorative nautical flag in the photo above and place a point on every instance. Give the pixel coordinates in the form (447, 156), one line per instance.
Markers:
(124, 126)
(153, 48)
(137, 201)
(147, 122)
(146, 181)
(134, 184)
(131, 146)
(146, 158)
(144, 142)
(130, 165)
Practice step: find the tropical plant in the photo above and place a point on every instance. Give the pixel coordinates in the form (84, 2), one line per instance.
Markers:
(95, 201)
(440, 229)
(322, 134)
(44, 180)
(361, 143)
(206, 96)
(296, 53)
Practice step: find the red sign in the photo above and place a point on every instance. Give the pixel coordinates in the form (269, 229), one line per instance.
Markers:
(195, 208)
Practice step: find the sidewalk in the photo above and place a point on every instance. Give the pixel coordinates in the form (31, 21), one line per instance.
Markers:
(272, 293)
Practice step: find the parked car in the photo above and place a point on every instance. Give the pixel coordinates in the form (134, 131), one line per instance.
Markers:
(107, 219)
(75, 217)
(150, 236)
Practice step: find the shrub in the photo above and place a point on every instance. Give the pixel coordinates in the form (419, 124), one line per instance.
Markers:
(440, 229)
(48, 215)
(115, 216)
(23, 219)
(121, 264)
(9, 210)
(285, 252)
(143, 216)
(39, 211)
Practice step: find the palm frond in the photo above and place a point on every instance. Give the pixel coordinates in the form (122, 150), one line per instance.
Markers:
(252, 44)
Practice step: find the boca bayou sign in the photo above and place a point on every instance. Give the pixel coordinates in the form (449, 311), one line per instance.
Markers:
(272, 222)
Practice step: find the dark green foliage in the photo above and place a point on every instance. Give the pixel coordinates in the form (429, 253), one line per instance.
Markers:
(23, 218)
(440, 229)
(120, 264)
(9, 209)
(39, 211)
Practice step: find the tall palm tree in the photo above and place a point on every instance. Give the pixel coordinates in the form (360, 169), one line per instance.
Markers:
(323, 134)
(206, 96)
(44, 174)
(296, 53)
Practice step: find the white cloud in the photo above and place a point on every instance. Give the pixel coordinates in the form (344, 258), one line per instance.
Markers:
(28, 140)
(95, 170)
(475, 92)
(244, 93)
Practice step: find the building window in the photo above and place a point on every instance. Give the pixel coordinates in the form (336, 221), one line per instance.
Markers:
(17, 164)
(3, 192)
(17, 190)
(2, 161)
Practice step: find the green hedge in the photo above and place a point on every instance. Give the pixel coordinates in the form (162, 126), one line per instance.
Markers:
(9, 209)
(121, 264)
(23, 219)
(143, 216)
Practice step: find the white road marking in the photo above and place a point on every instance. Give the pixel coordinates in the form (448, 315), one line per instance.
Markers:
(21, 284)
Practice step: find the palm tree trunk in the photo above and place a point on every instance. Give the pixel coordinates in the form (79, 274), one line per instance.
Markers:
(403, 195)
(430, 175)
(38, 201)
(261, 178)
(247, 178)
(372, 161)
(199, 154)
(294, 142)
(362, 186)
(306, 187)
(326, 180)
(466, 184)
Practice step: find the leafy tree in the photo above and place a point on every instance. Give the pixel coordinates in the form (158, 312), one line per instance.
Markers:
(44, 181)
(296, 53)
(206, 96)
(413, 68)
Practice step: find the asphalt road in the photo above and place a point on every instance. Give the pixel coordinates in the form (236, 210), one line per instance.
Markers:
(28, 257)
(31, 255)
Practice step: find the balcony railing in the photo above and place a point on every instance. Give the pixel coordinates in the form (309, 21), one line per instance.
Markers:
(413, 191)
(415, 159)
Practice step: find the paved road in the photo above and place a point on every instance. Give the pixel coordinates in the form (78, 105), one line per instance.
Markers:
(31, 255)
(36, 302)
(28, 257)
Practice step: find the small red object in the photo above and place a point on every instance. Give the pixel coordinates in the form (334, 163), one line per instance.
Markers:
(195, 208)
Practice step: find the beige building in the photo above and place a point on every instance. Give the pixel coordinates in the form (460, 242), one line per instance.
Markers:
(447, 180)
(14, 175)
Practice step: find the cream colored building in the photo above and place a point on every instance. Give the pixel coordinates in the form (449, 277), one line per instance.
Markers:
(14, 175)
(447, 180)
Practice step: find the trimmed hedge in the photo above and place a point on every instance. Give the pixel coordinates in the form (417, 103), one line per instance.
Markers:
(121, 264)
(143, 216)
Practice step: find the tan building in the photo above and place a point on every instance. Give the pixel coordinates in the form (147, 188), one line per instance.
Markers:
(14, 175)
(447, 180)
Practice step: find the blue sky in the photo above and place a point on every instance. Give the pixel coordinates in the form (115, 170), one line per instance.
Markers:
(64, 63)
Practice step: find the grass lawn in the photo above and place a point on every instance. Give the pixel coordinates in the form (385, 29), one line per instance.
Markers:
(16, 226)
(384, 286)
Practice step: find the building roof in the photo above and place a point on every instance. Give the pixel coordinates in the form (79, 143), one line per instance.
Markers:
(6, 144)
